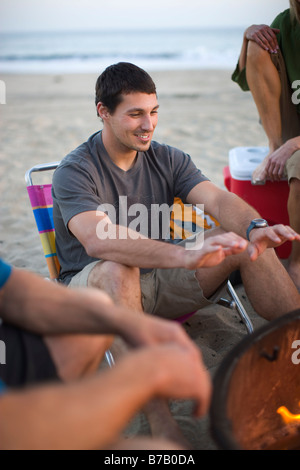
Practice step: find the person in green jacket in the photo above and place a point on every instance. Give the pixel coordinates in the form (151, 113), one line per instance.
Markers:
(269, 66)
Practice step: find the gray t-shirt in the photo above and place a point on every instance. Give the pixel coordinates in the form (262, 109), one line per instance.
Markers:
(88, 180)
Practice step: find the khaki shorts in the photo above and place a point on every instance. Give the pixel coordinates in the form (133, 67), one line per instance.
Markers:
(292, 166)
(168, 293)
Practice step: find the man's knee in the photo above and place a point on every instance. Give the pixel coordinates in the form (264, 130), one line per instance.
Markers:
(115, 274)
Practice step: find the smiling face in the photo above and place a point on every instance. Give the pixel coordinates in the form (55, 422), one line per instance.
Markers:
(129, 129)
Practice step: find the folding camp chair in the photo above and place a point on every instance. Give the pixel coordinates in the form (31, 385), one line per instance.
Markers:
(194, 220)
(41, 201)
(42, 205)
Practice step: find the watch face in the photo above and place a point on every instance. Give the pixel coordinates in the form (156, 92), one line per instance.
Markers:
(260, 222)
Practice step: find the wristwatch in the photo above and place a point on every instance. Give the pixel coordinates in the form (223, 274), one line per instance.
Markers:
(256, 223)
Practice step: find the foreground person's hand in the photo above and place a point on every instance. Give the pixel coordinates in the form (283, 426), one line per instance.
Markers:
(264, 36)
(173, 372)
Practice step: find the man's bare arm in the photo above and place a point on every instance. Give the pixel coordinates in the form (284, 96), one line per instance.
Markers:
(235, 215)
(127, 247)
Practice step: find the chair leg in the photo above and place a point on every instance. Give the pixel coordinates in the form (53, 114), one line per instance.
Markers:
(109, 358)
(239, 308)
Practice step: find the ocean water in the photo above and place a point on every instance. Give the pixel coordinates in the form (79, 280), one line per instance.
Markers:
(92, 51)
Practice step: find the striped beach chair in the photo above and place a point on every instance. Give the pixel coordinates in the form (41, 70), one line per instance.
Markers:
(40, 197)
(42, 205)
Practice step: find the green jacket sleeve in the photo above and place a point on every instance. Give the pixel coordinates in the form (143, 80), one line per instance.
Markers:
(239, 77)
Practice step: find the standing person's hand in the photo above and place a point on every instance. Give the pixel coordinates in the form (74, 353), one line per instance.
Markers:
(264, 36)
(277, 160)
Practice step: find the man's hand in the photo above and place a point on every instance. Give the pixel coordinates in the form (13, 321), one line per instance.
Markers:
(214, 250)
(269, 237)
(264, 36)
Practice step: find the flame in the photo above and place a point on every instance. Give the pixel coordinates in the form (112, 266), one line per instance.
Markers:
(287, 416)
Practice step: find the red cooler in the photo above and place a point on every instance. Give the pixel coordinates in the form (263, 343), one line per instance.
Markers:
(269, 199)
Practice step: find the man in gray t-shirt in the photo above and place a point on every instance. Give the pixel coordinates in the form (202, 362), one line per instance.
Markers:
(111, 234)
(111, 237)
(157, 176)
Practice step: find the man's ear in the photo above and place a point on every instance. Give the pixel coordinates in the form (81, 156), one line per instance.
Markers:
(102, 111)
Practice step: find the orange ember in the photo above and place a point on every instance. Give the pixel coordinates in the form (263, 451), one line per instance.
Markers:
(287, 416)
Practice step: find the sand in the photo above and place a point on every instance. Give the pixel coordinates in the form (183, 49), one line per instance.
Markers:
(46, 116)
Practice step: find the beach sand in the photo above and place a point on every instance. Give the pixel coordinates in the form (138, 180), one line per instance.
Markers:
(46, 116)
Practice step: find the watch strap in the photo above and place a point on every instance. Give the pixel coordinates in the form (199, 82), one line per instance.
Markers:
(251, 227)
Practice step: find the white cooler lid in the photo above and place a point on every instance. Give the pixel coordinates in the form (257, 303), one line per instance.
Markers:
(244, 160)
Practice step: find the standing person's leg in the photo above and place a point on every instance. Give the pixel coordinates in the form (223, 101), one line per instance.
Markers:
(268, 82)
(272, 93)
(293, 171)
(264, 83)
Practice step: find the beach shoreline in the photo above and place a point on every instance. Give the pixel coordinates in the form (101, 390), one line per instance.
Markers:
(47, 115)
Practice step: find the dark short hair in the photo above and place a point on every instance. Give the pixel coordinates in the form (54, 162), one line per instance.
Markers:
(122, 78)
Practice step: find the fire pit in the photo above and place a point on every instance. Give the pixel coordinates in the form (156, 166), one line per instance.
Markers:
(256, 399)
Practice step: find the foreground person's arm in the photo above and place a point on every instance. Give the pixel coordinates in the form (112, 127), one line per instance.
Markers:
(48, 308)
(90, 414)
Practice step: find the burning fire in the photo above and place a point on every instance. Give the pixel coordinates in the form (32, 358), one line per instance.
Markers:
(287, 416)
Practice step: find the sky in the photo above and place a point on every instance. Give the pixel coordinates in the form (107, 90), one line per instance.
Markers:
(54, 15)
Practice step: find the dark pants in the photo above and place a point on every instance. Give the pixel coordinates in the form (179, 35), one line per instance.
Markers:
(28, 360)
